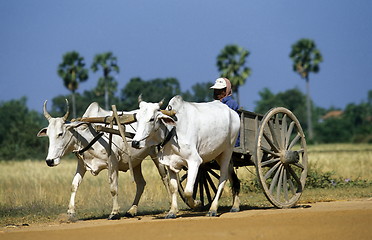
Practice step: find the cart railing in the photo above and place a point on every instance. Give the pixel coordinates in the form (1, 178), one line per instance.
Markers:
(249, 123)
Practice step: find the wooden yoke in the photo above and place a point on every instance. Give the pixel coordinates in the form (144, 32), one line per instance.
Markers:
(122, 134)
(123, 119)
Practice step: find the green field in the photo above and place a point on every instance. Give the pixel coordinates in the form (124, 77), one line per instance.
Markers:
(30, 191)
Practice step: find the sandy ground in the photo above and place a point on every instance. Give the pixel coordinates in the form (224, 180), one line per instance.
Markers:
(324, 220)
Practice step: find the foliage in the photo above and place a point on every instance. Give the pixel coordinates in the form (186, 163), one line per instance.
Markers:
(293, 99)
(107, 86)
(82, 102)
(152, 91)
(318, 179)
(231, 64)
(354, 125)
(250, 185)
(72, 71)
(18, 130)
(333, 130)
(200, 93)
(306, 58)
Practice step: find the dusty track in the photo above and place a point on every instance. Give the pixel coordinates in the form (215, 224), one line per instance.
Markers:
(326, 220)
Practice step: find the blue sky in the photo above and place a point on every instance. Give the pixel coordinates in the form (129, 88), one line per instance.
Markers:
(181, 39)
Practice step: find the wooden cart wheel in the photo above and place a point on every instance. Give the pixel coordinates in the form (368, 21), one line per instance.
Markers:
(281, 157)
(205, 186)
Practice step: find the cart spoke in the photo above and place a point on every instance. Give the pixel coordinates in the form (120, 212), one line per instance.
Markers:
(273, 133)
(285, 186)
(211, 183)
(289, 133)
(272, 145)
(201, 190)
(283, 131)
(270, 172)
(299, 165)
(207, 190)
(268, 162)
(277, 131)
(195, 189)
(280, 183)
(294, 141)
(269, 151)
(275, 180)
(294, 176)
(291, 186)
(213, 173)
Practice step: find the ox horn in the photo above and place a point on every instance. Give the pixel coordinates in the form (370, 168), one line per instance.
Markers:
(67, 111)
(140, 98)
(168, 112)
(161, 102)
(46, 114)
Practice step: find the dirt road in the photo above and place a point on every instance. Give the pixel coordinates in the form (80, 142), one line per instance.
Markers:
(325, 220)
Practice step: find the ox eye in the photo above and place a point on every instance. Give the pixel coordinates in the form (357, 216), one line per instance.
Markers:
(60, 134)
(151, 120)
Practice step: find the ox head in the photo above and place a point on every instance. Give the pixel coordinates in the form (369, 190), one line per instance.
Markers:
(59, 136)
(149, 119)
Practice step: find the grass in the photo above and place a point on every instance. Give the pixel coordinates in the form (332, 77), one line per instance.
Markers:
(31, 192)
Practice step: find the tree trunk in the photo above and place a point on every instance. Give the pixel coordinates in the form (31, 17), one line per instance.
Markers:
(73, 104)
(106, 95)
(106, 72)
(237, 96)
(308, 109)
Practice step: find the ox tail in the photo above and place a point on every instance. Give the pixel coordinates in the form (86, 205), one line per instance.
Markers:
(235, 182)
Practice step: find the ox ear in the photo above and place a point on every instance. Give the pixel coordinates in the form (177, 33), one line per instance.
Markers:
(42, 133)
(167, 120)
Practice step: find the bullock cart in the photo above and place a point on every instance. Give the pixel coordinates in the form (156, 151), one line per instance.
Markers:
(275, 145)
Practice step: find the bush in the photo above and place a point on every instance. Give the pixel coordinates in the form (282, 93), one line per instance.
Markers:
(318, 179)
(18, 129)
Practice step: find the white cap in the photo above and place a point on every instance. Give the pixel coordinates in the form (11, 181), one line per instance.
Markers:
(219, 84)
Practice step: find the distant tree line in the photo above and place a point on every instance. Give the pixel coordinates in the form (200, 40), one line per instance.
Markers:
(352, 124)
(19, 125)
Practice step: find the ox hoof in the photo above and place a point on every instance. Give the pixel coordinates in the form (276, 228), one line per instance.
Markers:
(234, 210)
(71, 217)
(170, 216)
(115, 216)
(66, 218)
(212, 214)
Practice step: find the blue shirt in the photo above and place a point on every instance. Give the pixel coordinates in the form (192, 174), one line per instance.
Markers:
(229, 101)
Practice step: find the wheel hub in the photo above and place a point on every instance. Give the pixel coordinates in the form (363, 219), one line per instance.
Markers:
(289, 157)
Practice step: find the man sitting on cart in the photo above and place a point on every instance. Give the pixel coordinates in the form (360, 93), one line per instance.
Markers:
(222, 91)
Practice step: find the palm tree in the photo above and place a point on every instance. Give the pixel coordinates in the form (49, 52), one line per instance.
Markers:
(72, 71)
(108, 63)
(230, 63)
(306, 58)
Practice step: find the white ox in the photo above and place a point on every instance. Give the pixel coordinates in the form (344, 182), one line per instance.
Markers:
(66, 137)
(203, 132)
